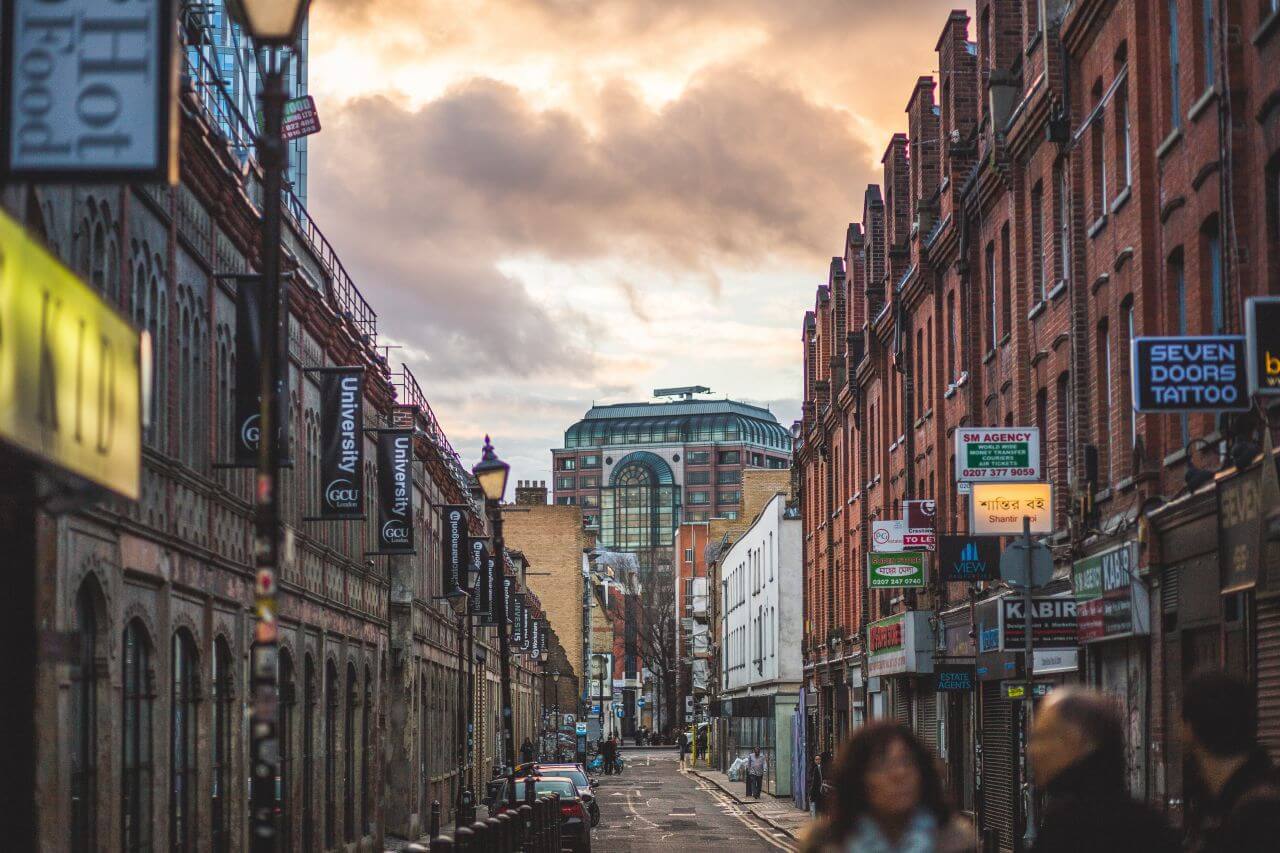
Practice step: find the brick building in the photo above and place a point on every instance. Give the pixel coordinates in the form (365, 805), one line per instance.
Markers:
(1077, 175)
(140, 717)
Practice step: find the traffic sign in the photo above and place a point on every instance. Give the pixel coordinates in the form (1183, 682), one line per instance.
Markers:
(617, 712)
(580, 728)
(1013, 564)
(640, 701)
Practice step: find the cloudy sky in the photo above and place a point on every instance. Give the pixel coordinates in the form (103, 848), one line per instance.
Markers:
(555, 202)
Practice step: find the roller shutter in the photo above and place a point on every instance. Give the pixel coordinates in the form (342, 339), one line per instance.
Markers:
(1269, 675)
(999, 766)
(927, 721)
(902, 701)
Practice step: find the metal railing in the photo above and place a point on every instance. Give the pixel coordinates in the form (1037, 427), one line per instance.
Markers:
(409, 393)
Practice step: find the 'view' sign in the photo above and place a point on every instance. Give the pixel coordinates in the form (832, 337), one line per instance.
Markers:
(1190, 374)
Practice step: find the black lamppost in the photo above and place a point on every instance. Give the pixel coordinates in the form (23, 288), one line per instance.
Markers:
(491, 472)
(272, 24)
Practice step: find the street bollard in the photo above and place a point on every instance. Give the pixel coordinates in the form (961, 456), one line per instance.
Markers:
(526, 827)
(536, 833)
(481, 843)
(463, 840)
(554, 813)
(495, 835)
(442, 844)
(507, 829)
(415, 848)
(435, 819)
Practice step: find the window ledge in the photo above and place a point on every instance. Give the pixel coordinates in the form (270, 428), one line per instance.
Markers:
(1170, 142)
(1058, 289)
(1103, 496)
(1266, 29)
(1004, 340)
(1177, 457)
(949, 393)
(963, 380)
(1098, 282)
(1122, 199)
(1126, 484)
(1037, 309)
(1210, 95)
(1097, 226)
(991, 353)
(1035, 40)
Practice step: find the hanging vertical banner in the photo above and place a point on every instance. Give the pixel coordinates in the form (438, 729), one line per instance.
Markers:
(456, 556)
(508, 590)
(536, 639)
(342, 443)
(517, 619)
(527, 626)
(487, 589)
(247, 406)
(478, 552)
(395, 491)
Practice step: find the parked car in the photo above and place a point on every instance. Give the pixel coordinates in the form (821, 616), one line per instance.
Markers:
(586, 785)
(575, 823)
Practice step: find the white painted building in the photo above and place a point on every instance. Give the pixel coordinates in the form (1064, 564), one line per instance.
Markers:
(762, 598)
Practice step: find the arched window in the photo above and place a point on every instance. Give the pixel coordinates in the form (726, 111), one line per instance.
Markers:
(223, 682)
(348, 743)
(308, 754)
(182, 749)
(330, 755)
(84, 717)
(366, 751)
(288, 699)
(136, 764)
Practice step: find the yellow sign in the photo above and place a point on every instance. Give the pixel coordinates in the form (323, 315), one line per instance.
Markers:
(997, 509)
(70, 382)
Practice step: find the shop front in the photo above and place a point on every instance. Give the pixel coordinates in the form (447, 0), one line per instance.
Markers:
(956, 684)
(900, 651)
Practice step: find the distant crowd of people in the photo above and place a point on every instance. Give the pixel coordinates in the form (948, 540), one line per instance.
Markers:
(883, 792)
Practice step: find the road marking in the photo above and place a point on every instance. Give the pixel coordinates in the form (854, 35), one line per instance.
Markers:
(724, 800)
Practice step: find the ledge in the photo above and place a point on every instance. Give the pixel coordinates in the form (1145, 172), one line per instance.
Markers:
(991, 353)
(1039, 357)
(1266, 29)
(1005, 339)
(1037, 309)
(1170, 142)
(1170, 206)
(1122, 258)
(1103, 496)
(1103, 278)
(1122, 198)
(1097, 226)
(1035, 40)
(1210, 95)
(1177, 457)
(949, 393)
(1058, 289)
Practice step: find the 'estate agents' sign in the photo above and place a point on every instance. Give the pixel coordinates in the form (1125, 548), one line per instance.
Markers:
(1190, 374)
(997, 454)
(89, 91)
(887, 569)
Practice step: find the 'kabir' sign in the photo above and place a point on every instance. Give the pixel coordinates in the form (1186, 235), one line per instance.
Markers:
(90, 90)
(1190, 374)
(1262, 329)
(997, 454)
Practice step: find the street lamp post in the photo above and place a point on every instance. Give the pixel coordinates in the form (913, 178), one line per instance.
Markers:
(492, 472)
(272, 24)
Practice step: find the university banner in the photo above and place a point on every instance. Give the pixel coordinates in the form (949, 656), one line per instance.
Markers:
(395, 491)
(477, 585)
(456, 558)
(247, 405)
(487, 590)
(525, 625)
(508, 591)
(537, 639)
(342, 443)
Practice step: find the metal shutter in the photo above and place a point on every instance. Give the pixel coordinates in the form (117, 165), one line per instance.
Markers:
(902, 701)
(999, 765)
(927, 721)
(1269, 675)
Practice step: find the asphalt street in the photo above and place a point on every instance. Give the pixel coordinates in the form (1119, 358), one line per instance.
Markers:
(653, 806)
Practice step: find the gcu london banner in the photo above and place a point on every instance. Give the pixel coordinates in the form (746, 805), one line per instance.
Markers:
(395, 491)
(489, 589)
(342, 443)
(248, 373)
(478, 555)
(454, 565)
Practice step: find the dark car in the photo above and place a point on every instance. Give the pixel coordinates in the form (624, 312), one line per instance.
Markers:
(586, 786)
(575, 823)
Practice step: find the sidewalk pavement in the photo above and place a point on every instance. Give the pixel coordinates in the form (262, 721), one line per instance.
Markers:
(781, 814)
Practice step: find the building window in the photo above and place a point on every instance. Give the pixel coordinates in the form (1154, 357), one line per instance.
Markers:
(349, 750)
(330, 754)
(563, 501)
(698, 457)
(565, 482)
(589, 481)
(951, 336)
(1213, 274)
(993, 304)
(1063, 247)
(728, 477)
(1175, 68)
(590, 461)
(731, 515)
(288, 701)
(1062, 434)
(136, 764)
(728, 496)
(1006, 280)
(1209, 38)
(310, 693)
(591, 500)
(223, 685)
(688, 555)
(1126, 402)
(1108, 399)
(1124, 150)
(729, 457)
(1098, 156)
(1037, 243)
(366, 753)
(183, 734)
(1178, 322)
(698, 478)
(84, 717)
(567, 464)
(696, 498)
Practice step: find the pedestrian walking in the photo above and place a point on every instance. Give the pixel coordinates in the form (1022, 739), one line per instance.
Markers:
(756, 768)
(814, 785)
(526, 751)
(608, 750)
(1233, 795)
(683, 742)
(1077, 754)
(886, 797)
